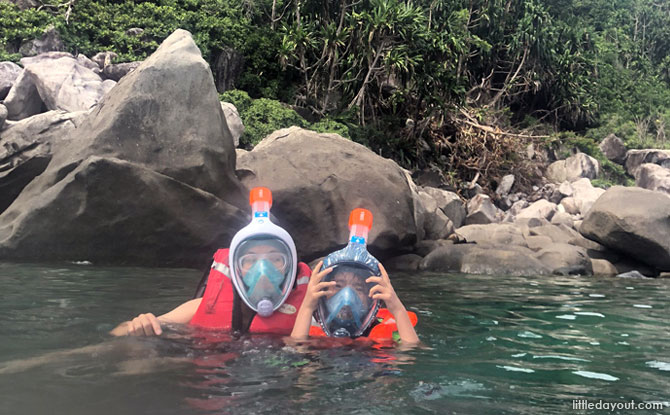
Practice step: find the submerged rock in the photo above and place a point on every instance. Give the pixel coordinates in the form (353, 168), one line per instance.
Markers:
(472, 259)
(632, 274)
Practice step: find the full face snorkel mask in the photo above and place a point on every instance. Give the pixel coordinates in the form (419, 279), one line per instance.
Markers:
(263, 258)
(349, 311)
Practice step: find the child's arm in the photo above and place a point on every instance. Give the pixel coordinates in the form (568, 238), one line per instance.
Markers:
(315, 290)
(150, 325)
(384, 291)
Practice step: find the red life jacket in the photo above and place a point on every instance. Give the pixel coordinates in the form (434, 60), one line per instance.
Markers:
(383, 331)
(216, 309)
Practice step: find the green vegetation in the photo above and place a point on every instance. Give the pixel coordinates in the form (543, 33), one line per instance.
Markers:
(263, 116)
(431, 83)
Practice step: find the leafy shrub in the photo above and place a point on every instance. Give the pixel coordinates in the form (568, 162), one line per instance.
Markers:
(327, 125)
(263, 117)
(239, 98)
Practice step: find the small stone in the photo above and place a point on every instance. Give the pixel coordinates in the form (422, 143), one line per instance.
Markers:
(631, 274)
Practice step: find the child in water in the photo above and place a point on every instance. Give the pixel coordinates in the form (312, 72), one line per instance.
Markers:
(381, 290)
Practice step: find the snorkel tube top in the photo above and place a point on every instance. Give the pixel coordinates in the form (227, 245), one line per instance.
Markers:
(216, 309)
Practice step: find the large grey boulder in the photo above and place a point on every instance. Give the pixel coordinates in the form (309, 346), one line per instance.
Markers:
(116, 71)
(23, 99)
(3, 115)
(481, 210)
(613, 148)
(585, 195)
(83, 60)
(653, 177)
(112, 211)
(450, 203)
(63, 82)
(9, 71)
(573, 168)
(233, 121)
(636, 158)
(49, 42)
(317, 179)
(146, 178)
(542, 209)
(562, 258)
(499, 234)
(26, 149)
(472, 259)
(436, 224)
(633, 221)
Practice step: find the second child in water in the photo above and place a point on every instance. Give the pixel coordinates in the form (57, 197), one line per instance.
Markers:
(345, 296)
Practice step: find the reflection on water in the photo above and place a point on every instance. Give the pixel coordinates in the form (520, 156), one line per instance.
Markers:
(491, 345)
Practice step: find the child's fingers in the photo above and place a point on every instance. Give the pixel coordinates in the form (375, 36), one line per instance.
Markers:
(376, 289)
(376, 280)
(380, 296)
(318, 273)
(324, 286)
(317, 268)
(319, 294)
(385, 274)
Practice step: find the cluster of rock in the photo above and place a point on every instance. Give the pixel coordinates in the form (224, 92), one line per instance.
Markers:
(56, 81)
(148, 179)
(567, 226)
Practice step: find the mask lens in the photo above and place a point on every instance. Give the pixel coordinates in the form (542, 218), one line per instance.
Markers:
(278, 260)
(347, 308)
(261, 268)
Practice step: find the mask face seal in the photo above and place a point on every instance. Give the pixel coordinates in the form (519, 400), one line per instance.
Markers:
(262, 267)
(348, 310)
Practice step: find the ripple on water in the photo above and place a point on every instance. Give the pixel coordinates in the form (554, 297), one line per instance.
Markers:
(529, 335)
(574, 359)
(595, 375)
(428, 391)
(664, 366)
(516, 369)
(589, 313)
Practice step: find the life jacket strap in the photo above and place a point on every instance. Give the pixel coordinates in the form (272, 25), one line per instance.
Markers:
(222, 268)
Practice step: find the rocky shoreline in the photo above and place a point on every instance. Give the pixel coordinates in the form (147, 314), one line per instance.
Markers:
(145, 171)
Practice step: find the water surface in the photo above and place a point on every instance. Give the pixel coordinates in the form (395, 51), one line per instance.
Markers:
(492, 345)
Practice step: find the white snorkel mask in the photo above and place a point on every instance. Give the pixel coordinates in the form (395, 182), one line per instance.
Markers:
(263, 260)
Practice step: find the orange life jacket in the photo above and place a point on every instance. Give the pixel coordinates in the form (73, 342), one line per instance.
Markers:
(383, 331)
(216, 309)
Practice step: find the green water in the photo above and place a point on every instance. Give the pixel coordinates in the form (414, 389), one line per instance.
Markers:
(492, 345)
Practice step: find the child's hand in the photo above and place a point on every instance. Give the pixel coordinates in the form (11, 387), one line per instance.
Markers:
(384, 291)
(317, 289)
